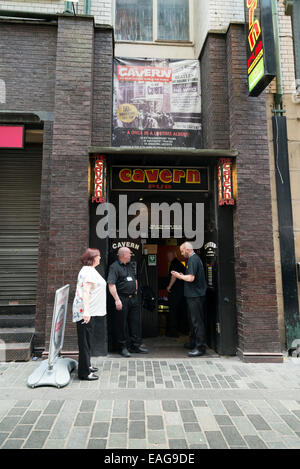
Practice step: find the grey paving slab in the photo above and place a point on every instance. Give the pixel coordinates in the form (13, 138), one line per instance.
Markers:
(30, 417)
(3, 436)
(232, 436)
(169, 406)
(188, 416)
(87, 406)
(99, 430)
(78, 438)
(137, 430)
(175, 431)
(119, 425)
(155, 422)
(16, 411)
(191, 427)
(45, 422)
(232, 408)
(138, 444)
(117, 440)
(97, 443)
(103, 416)
(36, 439)
(83, 419)
(178, 444)
(254, 442)
(21, 431)
(223, 420)
(291, 421)
(195, 438)
(8, 423)
(54, 444)
(215, 440)
(276, 445)
(54, 407)
(156, 437)
(259, 422)
(12, 444)
(65, 420)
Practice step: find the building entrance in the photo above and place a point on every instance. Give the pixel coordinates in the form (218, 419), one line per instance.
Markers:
(153, 210)
(164, 319)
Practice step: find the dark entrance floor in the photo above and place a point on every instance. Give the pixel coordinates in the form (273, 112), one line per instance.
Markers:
(168, 347)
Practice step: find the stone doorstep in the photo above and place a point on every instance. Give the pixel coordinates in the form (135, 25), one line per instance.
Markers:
(20, 351)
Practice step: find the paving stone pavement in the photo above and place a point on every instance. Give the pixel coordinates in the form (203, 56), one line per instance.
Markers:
(201, 403)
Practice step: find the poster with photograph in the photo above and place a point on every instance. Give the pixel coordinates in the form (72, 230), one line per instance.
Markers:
(157, 103)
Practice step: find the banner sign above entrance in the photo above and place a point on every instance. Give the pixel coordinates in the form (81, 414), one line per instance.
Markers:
(260, 45)
(159, 179)
(157, 103)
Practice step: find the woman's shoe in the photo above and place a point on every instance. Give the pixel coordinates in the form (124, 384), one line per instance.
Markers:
(93, 369)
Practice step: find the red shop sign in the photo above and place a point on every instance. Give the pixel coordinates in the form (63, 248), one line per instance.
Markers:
(225, 190)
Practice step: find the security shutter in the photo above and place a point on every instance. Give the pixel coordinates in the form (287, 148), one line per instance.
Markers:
(20, 187)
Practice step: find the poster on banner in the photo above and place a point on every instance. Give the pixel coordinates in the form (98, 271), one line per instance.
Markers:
(58, 323)
(157, 103)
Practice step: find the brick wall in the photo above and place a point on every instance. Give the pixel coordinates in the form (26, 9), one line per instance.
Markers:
(214, 93)
(27, 66)
(253, 229)
(69, 222)
(102, 11)
(102, 104)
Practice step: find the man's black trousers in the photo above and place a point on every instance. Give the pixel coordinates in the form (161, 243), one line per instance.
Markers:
(84, 335)
(128, 322)
(197, 321)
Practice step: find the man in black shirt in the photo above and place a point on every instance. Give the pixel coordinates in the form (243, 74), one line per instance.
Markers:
(194, 292)
(175, 296)
(123, 286)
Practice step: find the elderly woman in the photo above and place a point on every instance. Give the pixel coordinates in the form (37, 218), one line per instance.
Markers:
(89, 301)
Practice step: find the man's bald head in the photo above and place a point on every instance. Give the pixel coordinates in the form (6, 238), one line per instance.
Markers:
(124, 255)
(186, 249)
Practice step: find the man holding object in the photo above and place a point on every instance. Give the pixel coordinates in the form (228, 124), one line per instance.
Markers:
(194, 292)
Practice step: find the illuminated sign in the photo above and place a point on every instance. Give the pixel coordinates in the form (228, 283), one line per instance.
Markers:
(99, 180)
(12, 136)
(260, 45)
(225, 190)
(159, 178)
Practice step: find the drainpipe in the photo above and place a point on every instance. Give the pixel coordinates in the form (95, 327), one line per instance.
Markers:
(284, 203)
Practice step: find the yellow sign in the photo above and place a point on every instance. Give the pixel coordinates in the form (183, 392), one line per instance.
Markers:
(127, 112)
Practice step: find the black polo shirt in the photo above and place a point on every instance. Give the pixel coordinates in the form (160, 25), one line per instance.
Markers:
(198, 286)
(122, 275)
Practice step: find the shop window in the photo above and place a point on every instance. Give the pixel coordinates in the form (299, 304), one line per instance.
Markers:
(152, 20)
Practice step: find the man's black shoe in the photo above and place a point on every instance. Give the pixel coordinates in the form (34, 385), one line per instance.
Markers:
(196, 353)
(93, 369)
(189, 346)
(90, 377)
(125, 353)
(139, 349)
